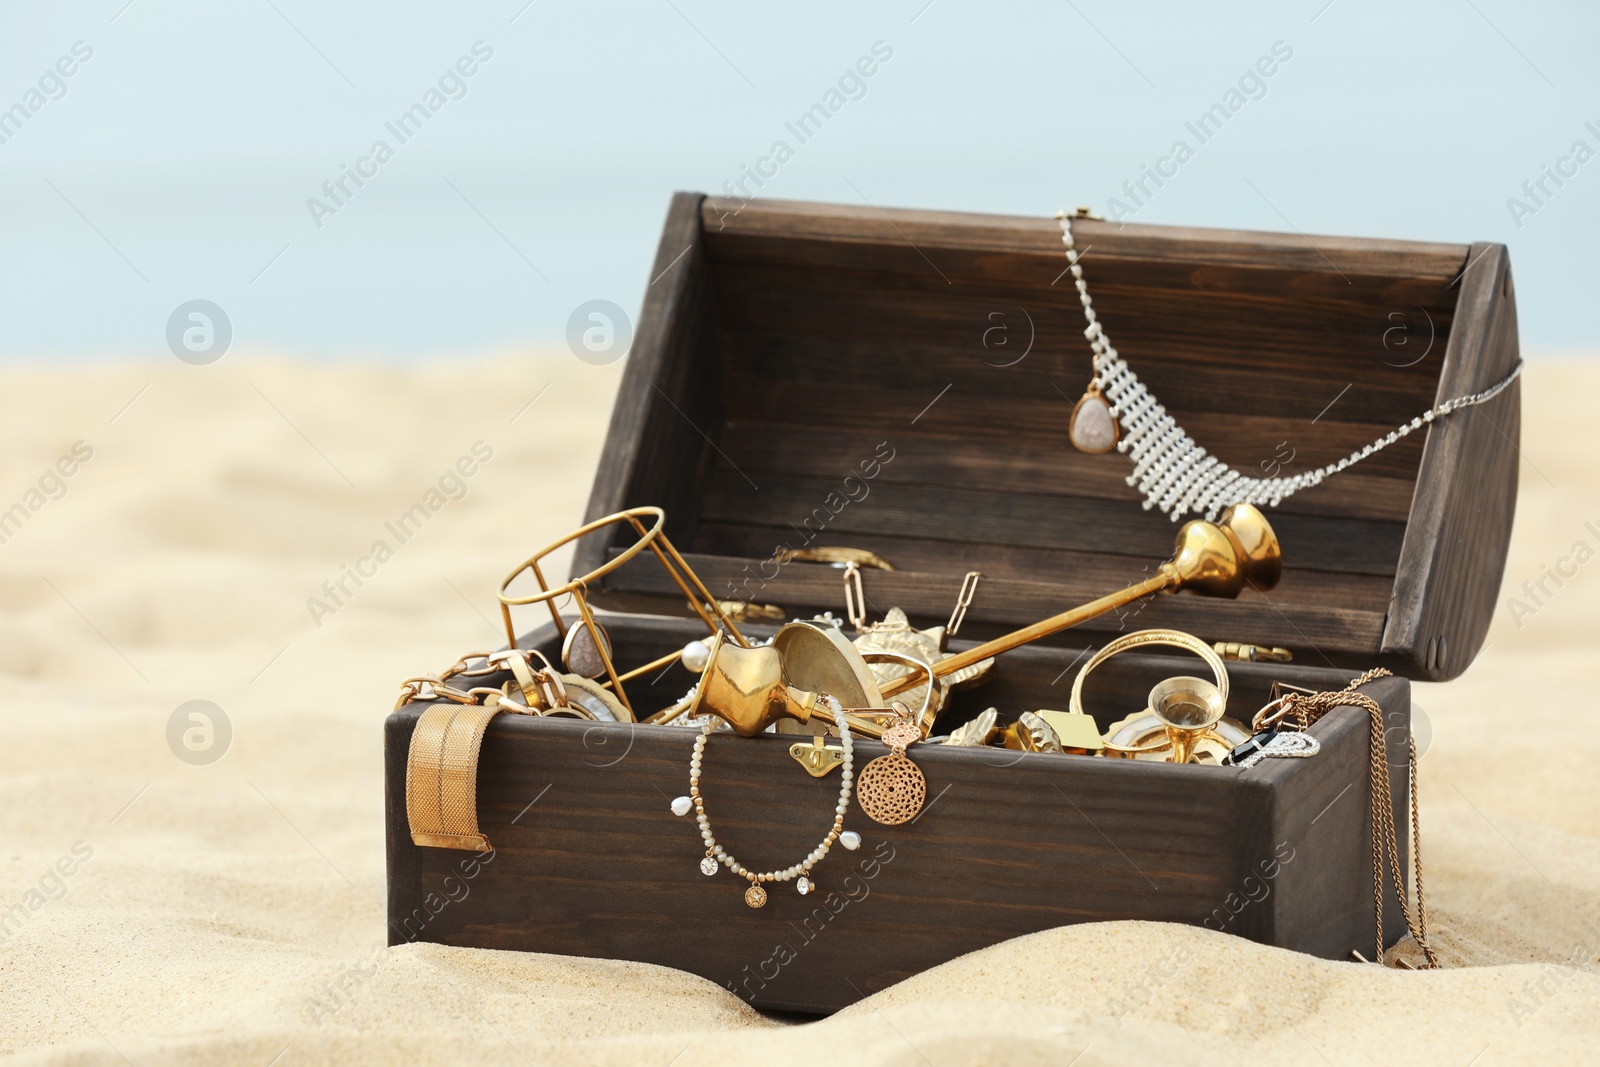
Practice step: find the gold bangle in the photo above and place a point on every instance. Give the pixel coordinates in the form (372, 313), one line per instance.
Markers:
(1170, 638)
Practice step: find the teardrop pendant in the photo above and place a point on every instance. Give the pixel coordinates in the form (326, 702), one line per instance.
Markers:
(1093, 429)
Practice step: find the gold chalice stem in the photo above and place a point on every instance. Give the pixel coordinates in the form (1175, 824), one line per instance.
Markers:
(1212, 559)
(1043, 628)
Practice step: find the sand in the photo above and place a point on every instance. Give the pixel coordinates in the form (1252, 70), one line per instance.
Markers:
(232, 912)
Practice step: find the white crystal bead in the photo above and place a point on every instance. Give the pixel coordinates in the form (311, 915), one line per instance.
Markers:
(708, 866)
(682, 806)
(850, 840)
(803, 885)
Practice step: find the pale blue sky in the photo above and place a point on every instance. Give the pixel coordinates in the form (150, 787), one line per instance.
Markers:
(178, 162)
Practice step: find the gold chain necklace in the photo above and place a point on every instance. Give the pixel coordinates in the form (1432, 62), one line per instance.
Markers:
(1304, 709)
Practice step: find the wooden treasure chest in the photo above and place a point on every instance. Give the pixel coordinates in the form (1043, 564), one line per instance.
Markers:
(811, 383)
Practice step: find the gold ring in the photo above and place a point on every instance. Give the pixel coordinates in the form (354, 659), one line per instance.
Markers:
(1170, 638)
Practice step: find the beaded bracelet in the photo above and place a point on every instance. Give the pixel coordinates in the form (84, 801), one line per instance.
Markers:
(756, 895)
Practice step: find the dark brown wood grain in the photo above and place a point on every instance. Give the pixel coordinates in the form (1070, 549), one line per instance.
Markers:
(781, 344)
(774, 452)
(589, 861)
(1454, 553)
(840, 234)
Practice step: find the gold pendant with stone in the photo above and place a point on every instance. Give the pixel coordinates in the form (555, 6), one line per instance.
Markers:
(1093, 428)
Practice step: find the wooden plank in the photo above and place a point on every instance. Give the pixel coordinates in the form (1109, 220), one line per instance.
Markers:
(1226, 382)
(844, 228)
(1454, 553)
(770, 452)
(810, 506)
(1038, 419)
(890, 318)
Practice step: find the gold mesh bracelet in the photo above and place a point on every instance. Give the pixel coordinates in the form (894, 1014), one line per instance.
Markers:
(442, 776)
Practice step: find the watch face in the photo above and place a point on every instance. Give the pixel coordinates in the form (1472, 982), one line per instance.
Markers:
(595, 700)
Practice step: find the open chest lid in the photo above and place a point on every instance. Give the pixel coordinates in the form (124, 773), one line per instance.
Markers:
(811, 375)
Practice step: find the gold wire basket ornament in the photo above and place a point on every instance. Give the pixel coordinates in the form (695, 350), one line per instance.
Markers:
(652, 537)
(442, 760)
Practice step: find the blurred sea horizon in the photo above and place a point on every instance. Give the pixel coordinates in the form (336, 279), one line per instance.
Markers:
(183, 159)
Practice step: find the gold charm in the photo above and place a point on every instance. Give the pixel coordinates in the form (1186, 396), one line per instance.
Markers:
(891, 788)
(1093, 429)
(1031, 733)
(976, 733)
(755, 896)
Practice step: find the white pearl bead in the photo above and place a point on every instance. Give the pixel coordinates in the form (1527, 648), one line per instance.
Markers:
(695, 656)
(850, 840)
(681, 805)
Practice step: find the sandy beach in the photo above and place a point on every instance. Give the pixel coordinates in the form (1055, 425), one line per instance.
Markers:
(183, 533)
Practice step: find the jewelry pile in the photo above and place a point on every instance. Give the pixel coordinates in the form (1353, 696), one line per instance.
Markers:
(809, 678)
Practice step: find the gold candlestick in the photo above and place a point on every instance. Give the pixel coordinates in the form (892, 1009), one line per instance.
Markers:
(1212, 559)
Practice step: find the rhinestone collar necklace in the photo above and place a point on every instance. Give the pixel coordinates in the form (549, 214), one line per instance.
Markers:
(1170, 470)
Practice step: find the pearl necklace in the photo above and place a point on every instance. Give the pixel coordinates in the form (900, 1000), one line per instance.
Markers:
(800, 873)
(1170, 470)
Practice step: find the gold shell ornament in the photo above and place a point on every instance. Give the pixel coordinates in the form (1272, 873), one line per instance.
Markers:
(896, 634)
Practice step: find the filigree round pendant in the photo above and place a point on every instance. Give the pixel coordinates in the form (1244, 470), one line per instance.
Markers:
(708, 866)
(755, 896)
(891, 789)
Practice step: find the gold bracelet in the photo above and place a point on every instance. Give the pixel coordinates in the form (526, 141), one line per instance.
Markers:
(1171, 638)
(839, 556)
